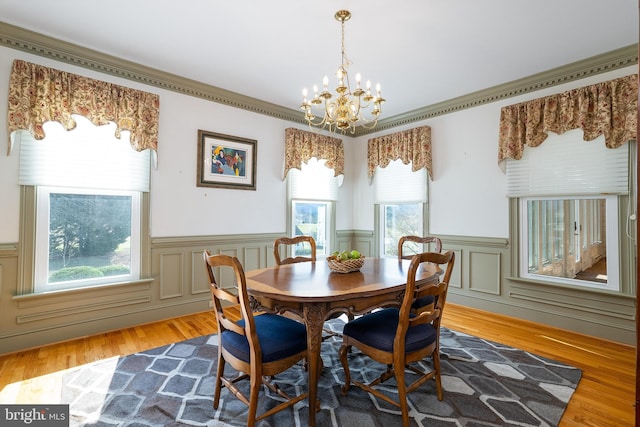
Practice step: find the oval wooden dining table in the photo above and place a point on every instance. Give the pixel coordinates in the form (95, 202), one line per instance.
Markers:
(312, 291)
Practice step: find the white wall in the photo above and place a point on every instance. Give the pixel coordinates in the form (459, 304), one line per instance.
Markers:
(178, 206)
(467, 194)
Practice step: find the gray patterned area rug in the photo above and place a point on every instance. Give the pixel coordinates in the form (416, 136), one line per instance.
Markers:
(485, 384)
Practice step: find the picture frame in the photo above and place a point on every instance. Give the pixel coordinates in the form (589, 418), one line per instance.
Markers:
(226, 161)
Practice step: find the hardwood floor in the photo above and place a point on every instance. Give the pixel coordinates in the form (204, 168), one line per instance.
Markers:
(605, 395)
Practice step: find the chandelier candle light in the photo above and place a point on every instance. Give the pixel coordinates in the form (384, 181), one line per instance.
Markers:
(345, 111)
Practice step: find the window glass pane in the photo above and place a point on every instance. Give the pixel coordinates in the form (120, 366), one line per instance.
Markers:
(311, 219)
(565, 240)
(85, 238)
(397, 221)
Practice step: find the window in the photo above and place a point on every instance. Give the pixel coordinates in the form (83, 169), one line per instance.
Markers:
(89, 190)
(397, 221)
(569, 194)
(311, 219)
(312, 194)
(400, 195)
(86, 237)
(570, 240)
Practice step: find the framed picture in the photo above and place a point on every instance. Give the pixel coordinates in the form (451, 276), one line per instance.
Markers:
(226, 161)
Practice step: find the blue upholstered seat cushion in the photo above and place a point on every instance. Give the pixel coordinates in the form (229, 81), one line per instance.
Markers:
(279, 337)
(424, 301)
(378, 330)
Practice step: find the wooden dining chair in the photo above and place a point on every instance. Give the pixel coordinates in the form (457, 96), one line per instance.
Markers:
(402, 254)
(254, 345)
(287, 243)
(423, 240)
(400, 337)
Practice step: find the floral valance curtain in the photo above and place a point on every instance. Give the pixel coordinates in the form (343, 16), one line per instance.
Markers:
(39, 94)
(300, 146)
(609, 108)
(413, 145)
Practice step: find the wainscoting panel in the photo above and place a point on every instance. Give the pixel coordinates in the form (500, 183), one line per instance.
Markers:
(84, 307)
(199, 277)
(456, 276)
(230, 252)
(226, 277)
(253, 258)
(484, 272)
(268, 256)
(557, 299)
(363, 241)
(364, 246)
(171, 275)
(344, 244)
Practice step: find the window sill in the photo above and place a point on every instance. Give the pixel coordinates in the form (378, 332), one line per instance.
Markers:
(556, 285)
(80, 291)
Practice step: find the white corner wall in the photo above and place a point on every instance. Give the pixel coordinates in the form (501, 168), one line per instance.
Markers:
(467, 194)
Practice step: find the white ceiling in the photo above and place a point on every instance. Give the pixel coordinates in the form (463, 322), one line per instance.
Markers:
(420, 51)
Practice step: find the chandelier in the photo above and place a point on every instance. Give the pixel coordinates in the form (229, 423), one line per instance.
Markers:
(345, 109)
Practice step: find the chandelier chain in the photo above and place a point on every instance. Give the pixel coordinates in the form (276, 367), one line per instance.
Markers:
(345, 60)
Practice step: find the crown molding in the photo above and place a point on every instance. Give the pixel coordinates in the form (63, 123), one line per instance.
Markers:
(609, 61)
(41, 45)
(48, 47)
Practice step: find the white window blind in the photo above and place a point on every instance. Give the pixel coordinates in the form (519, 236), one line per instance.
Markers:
(398, 184)
(314, 181)
(87, 157)
(567, 165)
